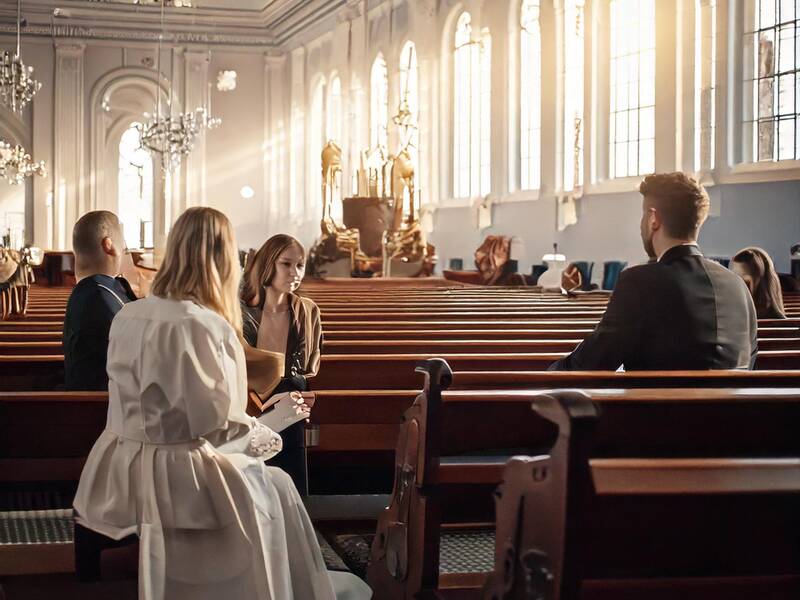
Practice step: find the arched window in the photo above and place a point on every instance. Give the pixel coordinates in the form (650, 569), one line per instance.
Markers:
(771, 91)
(379, 104)
(530, 95)
(316, 134)
(633, 87)
(333, 115)
(471, 110)
(135, 190)
(574, 28)
(409, 93)
(705, 83)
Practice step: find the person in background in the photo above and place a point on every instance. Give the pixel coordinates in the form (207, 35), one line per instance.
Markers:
(276, 319)
(180, 463)
(754, 265)
(99, 246)
(681, 312)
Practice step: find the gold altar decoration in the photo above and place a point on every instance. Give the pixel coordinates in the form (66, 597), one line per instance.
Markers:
(406, 251)
(338, 249)
(383, 216)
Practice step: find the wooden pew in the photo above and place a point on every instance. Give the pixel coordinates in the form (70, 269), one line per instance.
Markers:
(46, 436)
(436, 467)
(706, 512)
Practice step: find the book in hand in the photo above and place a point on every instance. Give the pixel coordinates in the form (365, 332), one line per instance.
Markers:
(285, 409)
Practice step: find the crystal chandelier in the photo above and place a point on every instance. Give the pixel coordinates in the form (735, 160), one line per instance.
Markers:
(172, 136)
(16, 164)
(17, 85)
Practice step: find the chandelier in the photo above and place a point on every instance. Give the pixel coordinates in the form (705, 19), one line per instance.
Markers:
(172, 136)
(16, 164)
(17, 85)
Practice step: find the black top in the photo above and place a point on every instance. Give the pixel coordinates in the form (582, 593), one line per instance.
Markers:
(683, 312)
(91, 307)
(293, 379)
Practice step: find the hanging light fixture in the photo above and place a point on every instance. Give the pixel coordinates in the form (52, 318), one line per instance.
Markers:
(16, 164)
(172, 136)
(17, 85)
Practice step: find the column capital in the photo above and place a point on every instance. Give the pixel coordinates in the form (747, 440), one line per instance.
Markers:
(69, 49)
(272, 60)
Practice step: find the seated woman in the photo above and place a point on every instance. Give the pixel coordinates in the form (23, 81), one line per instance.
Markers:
(179, 463)
(278, 320)
(755, 267)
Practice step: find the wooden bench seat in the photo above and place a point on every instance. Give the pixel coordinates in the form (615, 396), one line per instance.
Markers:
(703, 494)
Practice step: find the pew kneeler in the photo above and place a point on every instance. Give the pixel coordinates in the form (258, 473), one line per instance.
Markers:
(89, 546)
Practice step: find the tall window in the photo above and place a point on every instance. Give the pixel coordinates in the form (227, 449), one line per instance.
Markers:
(135, 190)
(771, 79)
(316, 134)
(530, 98)
(379, 104)
(633, 87)
(705, 59)
(333, 115)
(409, 93)
(574, 28)
(471, 110)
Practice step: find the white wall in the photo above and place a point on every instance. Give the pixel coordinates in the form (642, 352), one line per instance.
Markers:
(753, 204)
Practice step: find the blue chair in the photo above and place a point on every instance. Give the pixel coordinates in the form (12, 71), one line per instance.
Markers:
(611, 271)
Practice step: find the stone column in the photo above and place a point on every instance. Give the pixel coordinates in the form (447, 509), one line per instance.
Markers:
(275, 132)
(68, 190)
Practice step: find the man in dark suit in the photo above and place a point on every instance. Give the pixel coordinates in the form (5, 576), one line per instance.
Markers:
(681, 311)
(99, 245)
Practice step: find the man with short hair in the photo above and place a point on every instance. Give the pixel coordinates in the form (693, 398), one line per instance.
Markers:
(99, 246)
(681, 311)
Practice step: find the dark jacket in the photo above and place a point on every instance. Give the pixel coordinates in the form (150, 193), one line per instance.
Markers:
(90, 309)
(304, 345)
(682, 312)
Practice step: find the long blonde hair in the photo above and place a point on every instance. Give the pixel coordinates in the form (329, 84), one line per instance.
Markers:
(260, 269)
(201, 263)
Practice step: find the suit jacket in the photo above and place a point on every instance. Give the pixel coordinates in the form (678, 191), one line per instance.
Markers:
(90, 309)
(682, 312)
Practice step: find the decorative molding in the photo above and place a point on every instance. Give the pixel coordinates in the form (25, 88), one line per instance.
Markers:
(68, 141)
(426, 7)
(139, 35)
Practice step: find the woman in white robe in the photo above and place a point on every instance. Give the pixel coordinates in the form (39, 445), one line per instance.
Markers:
(179, 462)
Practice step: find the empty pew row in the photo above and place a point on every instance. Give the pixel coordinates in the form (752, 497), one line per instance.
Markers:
(348, 371)
(677, 493)
(360, 424)
(474, 345)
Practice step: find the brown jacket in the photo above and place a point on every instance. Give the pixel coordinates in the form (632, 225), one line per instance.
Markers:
(305, 329)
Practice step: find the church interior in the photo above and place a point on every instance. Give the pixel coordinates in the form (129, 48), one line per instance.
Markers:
(481, 263)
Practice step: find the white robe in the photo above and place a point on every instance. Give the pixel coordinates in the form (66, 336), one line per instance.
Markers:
(181, 465)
